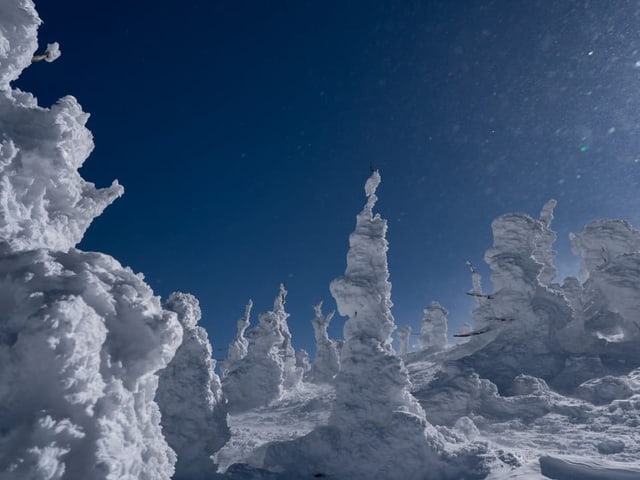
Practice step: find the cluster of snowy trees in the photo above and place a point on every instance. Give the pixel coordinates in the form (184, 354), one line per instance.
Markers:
(100, 380)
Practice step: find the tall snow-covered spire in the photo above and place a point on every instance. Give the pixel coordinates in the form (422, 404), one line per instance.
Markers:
(194, 416)
(364, 292)
(326, 364)
(239, 346)
(433, 331)
(376, 428)
(403, 337)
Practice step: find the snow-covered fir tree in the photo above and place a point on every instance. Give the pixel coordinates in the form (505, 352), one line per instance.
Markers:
(239, 346)
(433, 330)
(194, 414)
(270, 363)
(81, 338)
(326, 363)
(403, 339)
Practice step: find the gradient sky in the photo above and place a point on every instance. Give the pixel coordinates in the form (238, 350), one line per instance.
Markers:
(243, 133)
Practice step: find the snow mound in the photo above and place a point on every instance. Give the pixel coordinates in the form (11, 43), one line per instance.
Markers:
(194, 417)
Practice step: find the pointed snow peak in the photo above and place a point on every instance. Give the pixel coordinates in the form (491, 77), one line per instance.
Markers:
(280, 300)
(247, 311)
(318, 309)
(546, 214)
(370, 188)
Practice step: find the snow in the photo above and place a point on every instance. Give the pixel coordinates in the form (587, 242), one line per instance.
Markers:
(81, 337)
(433, 331)
(194, 415)
(100, 380)
(240, 345)
(326, 364)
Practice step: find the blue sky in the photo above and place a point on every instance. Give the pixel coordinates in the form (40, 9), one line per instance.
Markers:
(243, 133)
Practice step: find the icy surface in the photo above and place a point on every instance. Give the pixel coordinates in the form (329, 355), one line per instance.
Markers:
(194, 416)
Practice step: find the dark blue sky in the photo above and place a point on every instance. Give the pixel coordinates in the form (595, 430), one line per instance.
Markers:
(243, 132)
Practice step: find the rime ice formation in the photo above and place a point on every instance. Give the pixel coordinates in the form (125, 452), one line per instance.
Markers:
(376, 428)
(403, 338)
(270, 363)
(239, 347)
(81, 340)
(292, 375)
(194, 417)
(303, 364)
(19, 23)
(433, 331)
(326, 364)
(81, 337)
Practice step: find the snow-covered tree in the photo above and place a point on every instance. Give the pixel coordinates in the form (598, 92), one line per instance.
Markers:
(194, 416)
(326, 364)
(433, 331)
(239, 346)
(270, 363)
(303, 363)
(403, 338)
(81, 338)
(376, 428)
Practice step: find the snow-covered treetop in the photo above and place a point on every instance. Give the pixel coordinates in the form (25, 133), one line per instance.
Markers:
(186, 306)
(44, 202)
(601, 241)
(19, 23)
(364, 293)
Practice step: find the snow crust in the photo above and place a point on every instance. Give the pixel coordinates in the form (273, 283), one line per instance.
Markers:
(194, 416)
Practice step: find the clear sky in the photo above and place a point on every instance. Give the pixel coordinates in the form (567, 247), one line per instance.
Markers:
(243, 132)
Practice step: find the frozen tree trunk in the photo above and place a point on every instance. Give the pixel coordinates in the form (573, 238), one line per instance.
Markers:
(433, 331)
(194, 417)
(240, 345)
(81, 337)
(327, 361)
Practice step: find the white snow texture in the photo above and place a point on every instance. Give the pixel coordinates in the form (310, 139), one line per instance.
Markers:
(99, 381)
(81, 337)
